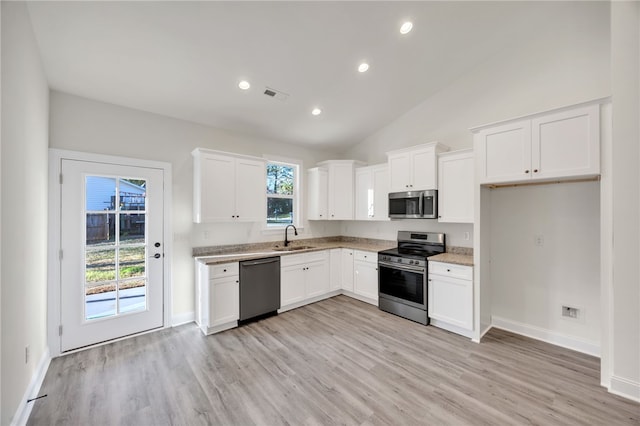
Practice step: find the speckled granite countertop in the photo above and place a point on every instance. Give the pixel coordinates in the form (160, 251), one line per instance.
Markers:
(239, 252)
(455, 257)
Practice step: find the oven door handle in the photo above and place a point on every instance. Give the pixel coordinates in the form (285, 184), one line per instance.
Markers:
(419, 269)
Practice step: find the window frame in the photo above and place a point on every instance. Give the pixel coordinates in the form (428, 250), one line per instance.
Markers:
(296, 196)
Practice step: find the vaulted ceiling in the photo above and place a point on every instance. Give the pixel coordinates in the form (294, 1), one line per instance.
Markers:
(185, 59)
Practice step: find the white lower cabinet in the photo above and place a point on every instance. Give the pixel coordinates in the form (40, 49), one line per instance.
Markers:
(335, 269)
(303, 277)
(347, 269)
(291, 284)
(218, 297)
(451, 297)
(365, 281)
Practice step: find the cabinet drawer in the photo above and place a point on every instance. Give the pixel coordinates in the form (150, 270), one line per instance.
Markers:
(317, 256)
(223, 270)
(292, 259)
(451, 270)
(366, 256)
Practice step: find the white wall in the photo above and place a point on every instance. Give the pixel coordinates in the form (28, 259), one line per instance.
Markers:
(625, 292)
(81, 124)
(566, 64)
(25, 106)
(530, 283)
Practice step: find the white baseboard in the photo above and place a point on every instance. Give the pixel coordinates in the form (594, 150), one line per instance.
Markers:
(452, 328)
(24, 409)
(625, 388)
(184, 318)
(553, 337)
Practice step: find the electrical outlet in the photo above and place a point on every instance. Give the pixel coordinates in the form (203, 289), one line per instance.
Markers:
(26, 354)
(539, 240)
(467, 236)
(207, 235)
(569, 312)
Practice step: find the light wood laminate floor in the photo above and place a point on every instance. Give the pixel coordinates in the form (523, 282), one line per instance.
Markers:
(339, 361)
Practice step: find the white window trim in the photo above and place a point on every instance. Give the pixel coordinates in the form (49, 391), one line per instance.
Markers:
(298, 194)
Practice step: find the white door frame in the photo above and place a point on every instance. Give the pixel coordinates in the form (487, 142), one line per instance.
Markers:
(53, 270)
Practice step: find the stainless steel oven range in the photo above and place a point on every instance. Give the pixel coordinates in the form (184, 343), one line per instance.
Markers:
(402, 274)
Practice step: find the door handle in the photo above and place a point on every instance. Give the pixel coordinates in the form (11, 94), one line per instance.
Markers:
(157, 255)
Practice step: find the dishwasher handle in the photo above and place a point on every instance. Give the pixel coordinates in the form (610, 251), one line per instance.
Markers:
(260, 261)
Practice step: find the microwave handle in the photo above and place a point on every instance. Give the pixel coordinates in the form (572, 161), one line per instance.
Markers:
(421, 204)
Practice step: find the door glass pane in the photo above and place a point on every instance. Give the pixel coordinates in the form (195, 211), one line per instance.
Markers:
(132, 296)
(100, 300)
(131, 262)
(100, 228)
(132, 228)
(100, 265)
(100, 193)
(115, 250)
(132, 194)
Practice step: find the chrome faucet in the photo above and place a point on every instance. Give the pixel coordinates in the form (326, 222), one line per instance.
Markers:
(286, 240)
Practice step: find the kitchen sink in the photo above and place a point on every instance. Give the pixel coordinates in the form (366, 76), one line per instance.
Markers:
(293, 248)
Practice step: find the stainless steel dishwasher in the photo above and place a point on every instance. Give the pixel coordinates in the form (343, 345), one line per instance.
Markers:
(259, 287)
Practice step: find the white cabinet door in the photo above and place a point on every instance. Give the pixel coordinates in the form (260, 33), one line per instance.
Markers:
(335, 268)
(347, 269)
(364, 194)
(292, 284)
(504, 152)
(566, 143)
(250, 196)
(451, 301)
(381, 193)
(228, 187)
(423, 167)
(318, 181)
(546, 146)
(341, 176)
(414, 168)
(224, 300)
(372, 193)
(214, 188)
(400, 171)
(316, 279)
(456, 175)
(366, 280)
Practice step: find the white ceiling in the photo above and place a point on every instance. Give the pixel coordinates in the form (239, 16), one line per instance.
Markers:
(184, 59)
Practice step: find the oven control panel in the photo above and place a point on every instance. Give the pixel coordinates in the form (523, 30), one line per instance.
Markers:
(401, 260)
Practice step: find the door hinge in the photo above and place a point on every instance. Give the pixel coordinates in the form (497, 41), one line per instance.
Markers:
(60, 178)
(60, 254)
(60, 330)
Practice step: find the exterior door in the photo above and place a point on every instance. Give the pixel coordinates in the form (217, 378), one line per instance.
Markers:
(112, 244)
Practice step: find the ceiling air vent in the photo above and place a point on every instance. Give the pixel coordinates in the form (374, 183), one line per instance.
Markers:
(277, 94)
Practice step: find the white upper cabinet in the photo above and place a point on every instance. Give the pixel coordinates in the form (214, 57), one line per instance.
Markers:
(414, 168)
(318, 182)
(456, 175)
(338, 191)
(372, 193)
(566, 143)
(228, 187)
(560, 144)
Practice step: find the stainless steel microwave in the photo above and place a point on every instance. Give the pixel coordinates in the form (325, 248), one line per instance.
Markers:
(413, 205)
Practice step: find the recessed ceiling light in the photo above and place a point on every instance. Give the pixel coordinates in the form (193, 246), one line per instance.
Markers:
(363, 67)
(244, 85)
(316, 111)
(406, 27)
